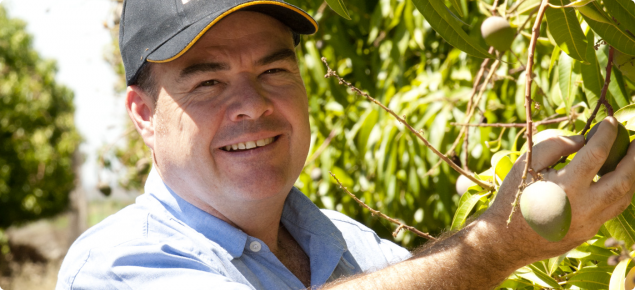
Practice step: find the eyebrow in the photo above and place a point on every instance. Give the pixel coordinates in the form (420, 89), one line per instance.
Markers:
(282, 54)
(203, 67)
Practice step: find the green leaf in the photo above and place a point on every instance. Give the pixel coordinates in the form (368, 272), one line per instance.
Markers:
(610, 32)
(502, 164)
(554, 57)
(579, 3)
(626, 114)
(592, 77)
(339, 8)
(538, 277)
(444, 23)
(592, 277)
(618, 89)
(565, 29)
(617, 278)
(591, 12)
(623, 11)
(553, 263)
(364, 132)
(528, 5)
(466, 204)
(622, 226)
(566, 80)
(515, 283)
(586, 252)
(457, 7)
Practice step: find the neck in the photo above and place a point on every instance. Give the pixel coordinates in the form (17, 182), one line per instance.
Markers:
(259, 218)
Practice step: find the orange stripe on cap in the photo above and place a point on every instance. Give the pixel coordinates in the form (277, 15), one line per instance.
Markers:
(200, 34)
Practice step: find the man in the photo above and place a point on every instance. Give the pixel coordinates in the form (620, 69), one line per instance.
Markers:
(216, 94)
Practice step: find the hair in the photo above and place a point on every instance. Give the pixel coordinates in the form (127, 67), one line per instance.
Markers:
(147, 83)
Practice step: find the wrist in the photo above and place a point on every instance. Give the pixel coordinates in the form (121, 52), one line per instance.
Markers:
(511, 246)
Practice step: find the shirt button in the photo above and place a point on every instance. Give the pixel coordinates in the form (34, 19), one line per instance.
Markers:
(255, 247)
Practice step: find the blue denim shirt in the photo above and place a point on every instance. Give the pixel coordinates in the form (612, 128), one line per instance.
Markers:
(164, 242)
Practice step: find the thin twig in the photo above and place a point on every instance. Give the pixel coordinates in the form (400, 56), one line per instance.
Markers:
(494, 7)
(384, 216)
(528, 76)
(492, 71)
(402, 120)
(468, 116)
(514, 125)
(473, 104)
(602, 99)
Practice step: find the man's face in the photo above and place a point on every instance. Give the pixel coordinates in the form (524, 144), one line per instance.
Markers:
(238, 87)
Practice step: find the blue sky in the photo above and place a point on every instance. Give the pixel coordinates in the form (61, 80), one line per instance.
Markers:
(73, 33)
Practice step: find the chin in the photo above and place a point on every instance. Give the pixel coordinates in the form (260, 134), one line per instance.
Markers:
(259, 186)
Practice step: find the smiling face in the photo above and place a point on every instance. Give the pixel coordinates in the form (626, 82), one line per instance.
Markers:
(231, 122)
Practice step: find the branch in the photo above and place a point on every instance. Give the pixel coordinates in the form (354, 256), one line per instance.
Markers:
(469, 108)
(378, 213)
(514, 125)
(468, 116)
(528, 76)
(419, 135)
(492, 71)
(602, 99)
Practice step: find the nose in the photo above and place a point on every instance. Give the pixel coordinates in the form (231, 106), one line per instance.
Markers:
(249, 101)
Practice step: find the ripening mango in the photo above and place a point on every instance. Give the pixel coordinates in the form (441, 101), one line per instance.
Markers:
(546, 208)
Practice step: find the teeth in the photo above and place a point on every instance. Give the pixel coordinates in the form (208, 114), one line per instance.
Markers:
(249, 144)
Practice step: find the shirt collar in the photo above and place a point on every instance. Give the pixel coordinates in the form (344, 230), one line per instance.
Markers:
(228, 237)
(300, 216)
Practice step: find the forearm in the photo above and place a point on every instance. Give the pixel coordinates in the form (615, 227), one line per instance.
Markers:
(473, 258)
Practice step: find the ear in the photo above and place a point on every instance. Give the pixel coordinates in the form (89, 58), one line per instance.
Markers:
(140, 108)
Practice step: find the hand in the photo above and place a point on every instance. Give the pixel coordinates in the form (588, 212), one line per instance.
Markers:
(592, 203)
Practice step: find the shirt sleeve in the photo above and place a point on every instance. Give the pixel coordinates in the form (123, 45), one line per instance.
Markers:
(148, 267)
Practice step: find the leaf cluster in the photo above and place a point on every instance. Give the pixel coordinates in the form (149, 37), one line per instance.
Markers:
(38, 138)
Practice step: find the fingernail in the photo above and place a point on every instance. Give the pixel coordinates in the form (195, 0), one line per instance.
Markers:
(611, 120)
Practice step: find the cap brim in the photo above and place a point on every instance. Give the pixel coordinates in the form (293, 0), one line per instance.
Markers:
(296, 19)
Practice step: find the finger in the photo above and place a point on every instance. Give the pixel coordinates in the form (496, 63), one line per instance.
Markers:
(618, 207)
(586, 164)
(613, 185)
(549, 174)
(548, 152)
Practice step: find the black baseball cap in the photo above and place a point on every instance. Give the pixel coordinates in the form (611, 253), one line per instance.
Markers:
(162, 30)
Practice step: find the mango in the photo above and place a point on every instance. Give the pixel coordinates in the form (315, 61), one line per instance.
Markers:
(618, 150)
(546, 208)
(497, 33)
(462, 184)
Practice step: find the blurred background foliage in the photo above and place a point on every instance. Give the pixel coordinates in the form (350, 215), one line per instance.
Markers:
(38, 139)
(390, 51)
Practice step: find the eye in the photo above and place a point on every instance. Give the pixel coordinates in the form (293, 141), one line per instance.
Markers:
(209, 83)
(273, 71)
